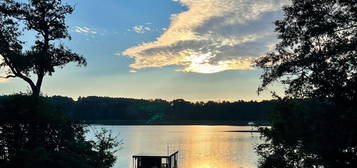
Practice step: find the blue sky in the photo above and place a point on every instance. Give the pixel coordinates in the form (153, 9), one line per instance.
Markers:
(197, 50)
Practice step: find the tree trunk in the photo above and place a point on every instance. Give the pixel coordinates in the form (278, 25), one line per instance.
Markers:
(36, 91)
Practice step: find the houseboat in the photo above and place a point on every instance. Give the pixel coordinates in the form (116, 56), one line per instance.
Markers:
(155, 160)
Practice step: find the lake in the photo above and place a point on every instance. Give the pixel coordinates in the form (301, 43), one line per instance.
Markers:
(198, 146)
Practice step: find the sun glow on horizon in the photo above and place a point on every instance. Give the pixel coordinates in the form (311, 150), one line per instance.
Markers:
(204, 63)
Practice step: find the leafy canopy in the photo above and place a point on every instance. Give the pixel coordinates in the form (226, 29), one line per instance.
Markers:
(315, 124)
(47, 20)
(316, 55)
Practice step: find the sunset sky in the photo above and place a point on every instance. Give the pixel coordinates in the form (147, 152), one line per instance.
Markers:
(197, 50)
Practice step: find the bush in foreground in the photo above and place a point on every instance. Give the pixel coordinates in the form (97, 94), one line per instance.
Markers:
(35, 135)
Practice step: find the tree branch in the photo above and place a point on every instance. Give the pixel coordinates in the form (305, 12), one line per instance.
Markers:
(8, 76)
(18, 73)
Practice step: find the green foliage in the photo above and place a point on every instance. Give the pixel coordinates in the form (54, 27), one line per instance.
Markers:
(316, 55)
(32, 133)
(308, 133)
(35, 135)
(315, 125)
(105, 146)
(47, 20)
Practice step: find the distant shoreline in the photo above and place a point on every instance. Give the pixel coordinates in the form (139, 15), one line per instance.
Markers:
(252, 131)
(183, 122)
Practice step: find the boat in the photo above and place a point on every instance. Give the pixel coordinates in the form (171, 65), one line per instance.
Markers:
(155, 160)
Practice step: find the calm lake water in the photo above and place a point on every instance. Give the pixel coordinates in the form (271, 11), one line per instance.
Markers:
(198, 146)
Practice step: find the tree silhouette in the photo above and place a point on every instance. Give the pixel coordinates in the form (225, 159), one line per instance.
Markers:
(34, 134)
(47, 20)
(317, 52)
(314, 125)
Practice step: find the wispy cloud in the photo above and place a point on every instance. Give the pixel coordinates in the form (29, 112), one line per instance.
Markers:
(212, 36)
(84, 30)
(140, 29)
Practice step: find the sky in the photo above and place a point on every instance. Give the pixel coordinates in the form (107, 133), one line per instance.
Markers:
(197, 50)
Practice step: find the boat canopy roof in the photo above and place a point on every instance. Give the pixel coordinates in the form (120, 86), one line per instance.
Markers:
(158, 155)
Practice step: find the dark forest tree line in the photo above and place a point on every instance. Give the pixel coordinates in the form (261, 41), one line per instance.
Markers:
(105, 108)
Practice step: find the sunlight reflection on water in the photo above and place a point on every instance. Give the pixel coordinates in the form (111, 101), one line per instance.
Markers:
(198, 146)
